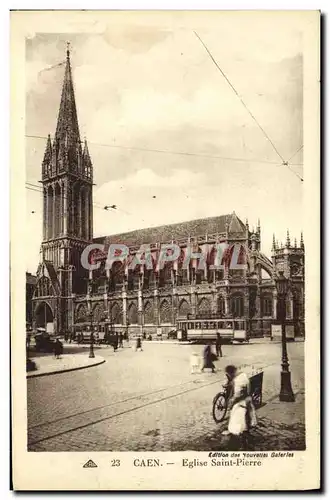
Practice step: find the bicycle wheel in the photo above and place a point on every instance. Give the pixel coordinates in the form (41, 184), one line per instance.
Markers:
(219, 407)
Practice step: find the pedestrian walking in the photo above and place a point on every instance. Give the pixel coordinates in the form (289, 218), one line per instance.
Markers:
(121, 340)
(58, 348)
(218, 345)
(208, 357)
(138, 345)
(115, 343)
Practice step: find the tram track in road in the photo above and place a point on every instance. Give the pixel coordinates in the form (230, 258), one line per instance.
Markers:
(50, 422)
(64, 425)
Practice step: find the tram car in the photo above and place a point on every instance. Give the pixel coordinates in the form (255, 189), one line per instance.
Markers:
(197, 330)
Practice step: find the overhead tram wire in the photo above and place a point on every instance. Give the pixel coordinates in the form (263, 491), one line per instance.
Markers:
(239, 97)
(166, 151)
(134, 148)
(294, 154)
(287, 164)
(284, 162)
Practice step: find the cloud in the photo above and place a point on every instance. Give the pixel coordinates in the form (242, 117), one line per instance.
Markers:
(133, 38)
(146, 178)
(156, 88)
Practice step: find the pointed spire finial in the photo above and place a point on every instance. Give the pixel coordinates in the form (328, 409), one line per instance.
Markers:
(67, 120)
(48, 151)
(288, 239)
(302, 245)
(295, 242)
(68, 50)
(274, 243)
(277, 244)
(86, 151)
(258, 227)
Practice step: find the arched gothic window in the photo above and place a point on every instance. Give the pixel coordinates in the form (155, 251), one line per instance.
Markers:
(184, 309)
(165, 312)
(133, 314)
(81, 313)
(117, 313)
(204, 307)
(148, 313)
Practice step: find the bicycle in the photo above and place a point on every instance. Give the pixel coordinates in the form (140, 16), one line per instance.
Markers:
(220, 400)
(220, 406)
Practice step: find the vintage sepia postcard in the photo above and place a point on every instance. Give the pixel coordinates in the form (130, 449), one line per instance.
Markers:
(165, 238)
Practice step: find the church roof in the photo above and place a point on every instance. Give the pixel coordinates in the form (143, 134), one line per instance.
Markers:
(177, 231)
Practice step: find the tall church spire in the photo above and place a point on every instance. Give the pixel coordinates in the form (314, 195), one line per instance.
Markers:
(67, 130)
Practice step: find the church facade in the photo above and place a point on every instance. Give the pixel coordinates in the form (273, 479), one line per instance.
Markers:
(69, 298)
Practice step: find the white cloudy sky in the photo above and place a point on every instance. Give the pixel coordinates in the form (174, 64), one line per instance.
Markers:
(155, 87)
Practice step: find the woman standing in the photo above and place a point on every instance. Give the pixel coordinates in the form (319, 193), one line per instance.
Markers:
(208, 358)
(243, 415)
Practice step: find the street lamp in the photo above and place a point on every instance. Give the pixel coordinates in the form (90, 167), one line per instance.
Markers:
(91, 346)
(286, 393)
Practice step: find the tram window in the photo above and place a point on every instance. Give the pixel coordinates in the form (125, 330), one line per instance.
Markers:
(198, 326)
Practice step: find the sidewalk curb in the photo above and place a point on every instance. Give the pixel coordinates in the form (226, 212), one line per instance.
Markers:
(33, 375)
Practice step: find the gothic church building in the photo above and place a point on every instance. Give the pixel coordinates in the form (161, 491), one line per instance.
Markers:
(68, 297)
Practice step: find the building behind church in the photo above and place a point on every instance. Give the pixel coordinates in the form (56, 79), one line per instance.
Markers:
(70, 298)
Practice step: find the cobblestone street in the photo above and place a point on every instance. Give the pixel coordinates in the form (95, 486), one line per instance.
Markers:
(149, 400)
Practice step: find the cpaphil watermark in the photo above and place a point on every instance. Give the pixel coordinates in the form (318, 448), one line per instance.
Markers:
(217, 256)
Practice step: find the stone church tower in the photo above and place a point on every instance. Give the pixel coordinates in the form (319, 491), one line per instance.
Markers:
(290, 258)
(67, 179)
